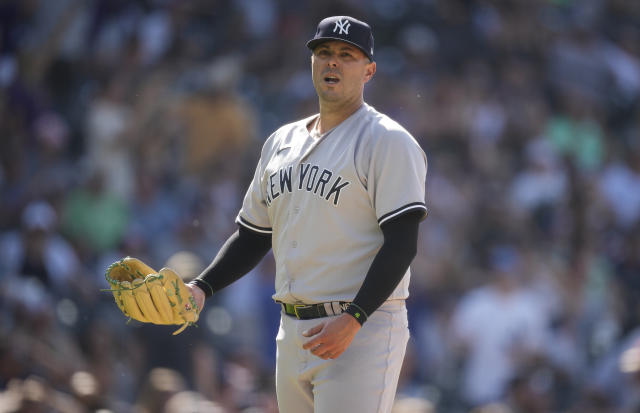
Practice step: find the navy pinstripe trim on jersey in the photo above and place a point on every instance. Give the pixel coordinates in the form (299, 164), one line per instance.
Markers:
(402, 210)
(247, 224)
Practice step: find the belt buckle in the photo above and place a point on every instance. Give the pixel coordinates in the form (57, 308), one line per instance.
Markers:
(297, 306)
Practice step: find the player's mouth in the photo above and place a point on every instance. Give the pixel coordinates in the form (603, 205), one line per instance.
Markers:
(331, 79)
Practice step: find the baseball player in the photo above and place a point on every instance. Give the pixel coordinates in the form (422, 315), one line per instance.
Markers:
(338, 196)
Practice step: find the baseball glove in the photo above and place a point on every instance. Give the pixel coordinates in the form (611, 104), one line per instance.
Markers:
(150, 296)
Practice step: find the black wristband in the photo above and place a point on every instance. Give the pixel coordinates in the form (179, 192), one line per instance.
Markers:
(203, 285)
(356, 312)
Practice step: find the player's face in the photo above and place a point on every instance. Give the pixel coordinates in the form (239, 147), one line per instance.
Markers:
(339, 71)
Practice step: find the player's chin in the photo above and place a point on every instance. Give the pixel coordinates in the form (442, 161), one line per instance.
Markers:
(330, 95)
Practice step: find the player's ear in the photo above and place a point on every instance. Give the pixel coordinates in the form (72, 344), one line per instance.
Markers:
(369, 71)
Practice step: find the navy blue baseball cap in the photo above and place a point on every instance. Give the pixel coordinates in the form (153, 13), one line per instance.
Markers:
(347, 29)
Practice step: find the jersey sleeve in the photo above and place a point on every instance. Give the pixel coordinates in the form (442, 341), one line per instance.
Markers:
(397, 174)
(253, 213)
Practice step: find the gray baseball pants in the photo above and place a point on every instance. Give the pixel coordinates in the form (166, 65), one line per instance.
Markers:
(363, 379)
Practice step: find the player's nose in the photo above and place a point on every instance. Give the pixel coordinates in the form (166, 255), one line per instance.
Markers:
(332, 61)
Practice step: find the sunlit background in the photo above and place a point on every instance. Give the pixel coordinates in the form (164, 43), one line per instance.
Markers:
(134, 127)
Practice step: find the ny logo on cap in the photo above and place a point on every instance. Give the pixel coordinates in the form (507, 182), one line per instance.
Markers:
(343, 26)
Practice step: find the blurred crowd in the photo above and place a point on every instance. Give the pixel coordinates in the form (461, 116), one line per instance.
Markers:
(133, 128)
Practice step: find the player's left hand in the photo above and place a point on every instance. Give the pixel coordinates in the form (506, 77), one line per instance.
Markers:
(331, 338)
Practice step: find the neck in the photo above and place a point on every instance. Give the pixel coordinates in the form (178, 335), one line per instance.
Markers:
(331, 115)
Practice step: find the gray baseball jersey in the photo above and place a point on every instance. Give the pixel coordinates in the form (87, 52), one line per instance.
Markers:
(324, 198)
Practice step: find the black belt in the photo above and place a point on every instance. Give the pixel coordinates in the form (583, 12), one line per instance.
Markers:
(309, 311)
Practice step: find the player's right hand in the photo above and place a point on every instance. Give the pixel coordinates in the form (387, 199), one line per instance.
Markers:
(150, 296)
(197, 294)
